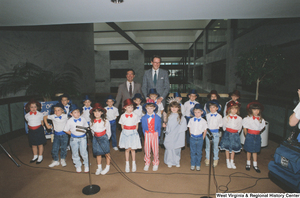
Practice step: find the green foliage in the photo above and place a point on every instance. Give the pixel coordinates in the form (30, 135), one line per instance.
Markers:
(264, 63)
(37, 81)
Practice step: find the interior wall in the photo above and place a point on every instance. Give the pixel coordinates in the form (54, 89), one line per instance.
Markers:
(50, 47)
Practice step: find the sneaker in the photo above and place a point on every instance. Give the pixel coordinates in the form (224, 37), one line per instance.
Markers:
(198, 168)
(170, 166)
(78, 169)
(127, 168)
(256, 169)
(206, 162)
(215, 163)
(155, 168)
(63, 162)
(178, 165)
(86, 169)
(192, 168)
(229, 165)
(146, 167)
(248, 167)
(133, 167)
(233, 165)
(105, 170)
(115, 148)
(54, 163)
(98, 171)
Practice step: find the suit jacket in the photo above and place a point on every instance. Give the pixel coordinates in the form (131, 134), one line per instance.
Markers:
(162, 84)
(157, 124)
(123, 92)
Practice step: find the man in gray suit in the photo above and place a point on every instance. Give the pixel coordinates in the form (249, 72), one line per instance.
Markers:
(156, 78)
(127, 89)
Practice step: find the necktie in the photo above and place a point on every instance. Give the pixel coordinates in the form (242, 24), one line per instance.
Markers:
(128, 115)
(79, 119)
(155, 78)
(235, 117)
(197, 119)
(213, 115)
(192, 103)
(254, 117)
(32, 113)
(58, 117)
(95, 121)
(87, 108)
(108, 108)
(151, 116)
(130, 89)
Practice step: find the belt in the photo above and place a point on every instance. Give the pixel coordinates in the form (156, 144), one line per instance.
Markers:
(34, 127)
(253, 132)
(75, 136)
(59, 132)
(214, 130)
(112, 121)
(129, 127)
(99, 134)
(197, 136)
(231, 130)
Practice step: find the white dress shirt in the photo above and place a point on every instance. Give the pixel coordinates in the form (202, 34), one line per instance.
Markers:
(197, 128)
(58, 124)
(111, 114)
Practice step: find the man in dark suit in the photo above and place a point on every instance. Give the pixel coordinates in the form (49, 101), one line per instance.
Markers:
(127, 89)
(156, 78)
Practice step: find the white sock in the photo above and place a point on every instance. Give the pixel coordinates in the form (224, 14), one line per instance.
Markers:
(34, 157)
(107, 167)
(99, 166)
(40, 158)
(232, 161)
(133, 162)
(227, 161)
(254, 163)
(127, 163)
(248, 162)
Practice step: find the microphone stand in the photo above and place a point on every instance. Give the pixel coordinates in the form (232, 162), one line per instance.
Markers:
(210, 137)
(92, 188)
(10, 157)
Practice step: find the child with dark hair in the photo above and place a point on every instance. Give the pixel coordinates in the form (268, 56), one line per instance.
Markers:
(112, 114)
(36, 133)
(101, 131)
(86, 108)
(253, 125)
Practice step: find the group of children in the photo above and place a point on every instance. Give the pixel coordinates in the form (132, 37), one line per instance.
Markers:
(142, 125)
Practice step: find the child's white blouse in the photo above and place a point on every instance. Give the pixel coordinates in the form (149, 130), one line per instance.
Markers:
(129, 121)
(253, 124)
(99, 127)
(232, 123)
(34, 120)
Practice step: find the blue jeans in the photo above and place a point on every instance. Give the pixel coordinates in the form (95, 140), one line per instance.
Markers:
(59, 142)
(215, 145)
(196, 145)
(113, 128)
(187, 132)
(79, 144)
(141, 134)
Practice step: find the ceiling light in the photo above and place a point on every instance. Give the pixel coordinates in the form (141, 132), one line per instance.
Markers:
(117, 1)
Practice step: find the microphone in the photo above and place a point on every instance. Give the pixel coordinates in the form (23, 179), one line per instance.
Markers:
(82, 129)
(209, 134)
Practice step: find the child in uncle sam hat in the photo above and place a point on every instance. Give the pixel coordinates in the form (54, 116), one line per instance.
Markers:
(36, 135)
(86, 108)
(188, 105)
(253, 124)
(214, 122)
(60, 141)
(232, 125)
(101, 131)
(151, 124)
(197, 127)
(129, 138)
(112, 114)
(138, 99)
(78, 139)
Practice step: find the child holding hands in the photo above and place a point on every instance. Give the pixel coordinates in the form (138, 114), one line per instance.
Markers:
(36, 133)
(253, 124)
(175, 134)
(60, 142)
(197, 127)
(232, 124)
(101, 131)
(129, 138)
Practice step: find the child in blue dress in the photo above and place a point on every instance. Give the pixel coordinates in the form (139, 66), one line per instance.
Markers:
(36, 133)
(101, 131)
(232, 125)
(253, 124)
